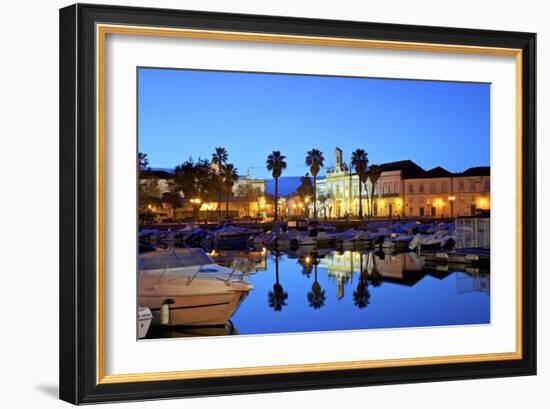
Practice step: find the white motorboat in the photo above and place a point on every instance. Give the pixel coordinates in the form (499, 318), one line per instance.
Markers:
(231, 236)
(144, 318)
(397, 242)
(436, 241)
(316, 236)
(286, 239)
(186, 287)
(303, 232)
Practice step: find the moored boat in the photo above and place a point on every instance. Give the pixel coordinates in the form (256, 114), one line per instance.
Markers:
(186, 287)
(436, 241)
(144, 318)
(231, 236)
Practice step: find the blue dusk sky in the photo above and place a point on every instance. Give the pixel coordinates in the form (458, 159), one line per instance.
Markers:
(187, 113)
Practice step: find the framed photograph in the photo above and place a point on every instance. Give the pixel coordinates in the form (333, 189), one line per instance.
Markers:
(257, 203)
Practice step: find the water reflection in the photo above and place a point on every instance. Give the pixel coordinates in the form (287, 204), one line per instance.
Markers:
(316, 296)
(322, 290)
(277, 297)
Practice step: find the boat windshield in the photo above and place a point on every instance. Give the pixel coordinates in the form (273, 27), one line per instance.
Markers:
(173, 258)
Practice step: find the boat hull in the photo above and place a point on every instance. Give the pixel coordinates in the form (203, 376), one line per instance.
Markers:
(195, 310)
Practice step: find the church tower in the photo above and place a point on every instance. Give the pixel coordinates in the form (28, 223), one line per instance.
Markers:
(338, 158)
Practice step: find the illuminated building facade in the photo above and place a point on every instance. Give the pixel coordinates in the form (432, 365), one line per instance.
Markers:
(404, 189)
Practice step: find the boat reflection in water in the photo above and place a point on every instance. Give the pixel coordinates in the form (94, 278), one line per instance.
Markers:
(312, 289)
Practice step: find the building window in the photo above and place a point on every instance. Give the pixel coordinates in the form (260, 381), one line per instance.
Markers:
(472, 186)
(487, 185)
(461, 186)
(421, 188)
(444, 187)
(432, 187)
(411, 211)
(411, 190)
(395, 188)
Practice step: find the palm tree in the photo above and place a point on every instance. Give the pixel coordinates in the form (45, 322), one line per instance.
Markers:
(315, 160)
(360, 161)
(277, 297)
(373, 174)
(316, 296)
(276, 164)
(219, 158)
(350, 170)
(230, 177)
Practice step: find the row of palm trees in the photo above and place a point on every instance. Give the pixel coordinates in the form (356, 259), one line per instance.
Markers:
(277, 298)
(227, 176)
(276, 163)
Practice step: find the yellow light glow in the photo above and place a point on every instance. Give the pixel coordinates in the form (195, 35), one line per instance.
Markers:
(483, 203)
(308, 259)
(451, 198)
(438, 202)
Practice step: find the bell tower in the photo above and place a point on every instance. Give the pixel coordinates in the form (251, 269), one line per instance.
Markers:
(338, 158)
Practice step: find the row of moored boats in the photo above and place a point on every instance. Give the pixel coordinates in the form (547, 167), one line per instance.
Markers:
(395, 236)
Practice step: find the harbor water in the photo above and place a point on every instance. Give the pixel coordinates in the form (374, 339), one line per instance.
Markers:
(333, 290)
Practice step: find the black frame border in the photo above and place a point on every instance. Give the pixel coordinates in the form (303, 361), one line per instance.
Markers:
(78, 210)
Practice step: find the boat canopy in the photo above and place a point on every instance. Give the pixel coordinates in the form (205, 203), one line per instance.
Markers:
(173, 258)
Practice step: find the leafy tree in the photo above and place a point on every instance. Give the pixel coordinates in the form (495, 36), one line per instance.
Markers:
(173, 198)
(305, 190)
(196, 180)
(149, 193)
(275, 163)
(315, 160)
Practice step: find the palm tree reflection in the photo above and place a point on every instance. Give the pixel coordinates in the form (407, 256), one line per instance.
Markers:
(375, 276)
(361, 295)
(316, 296)
(277, 297)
